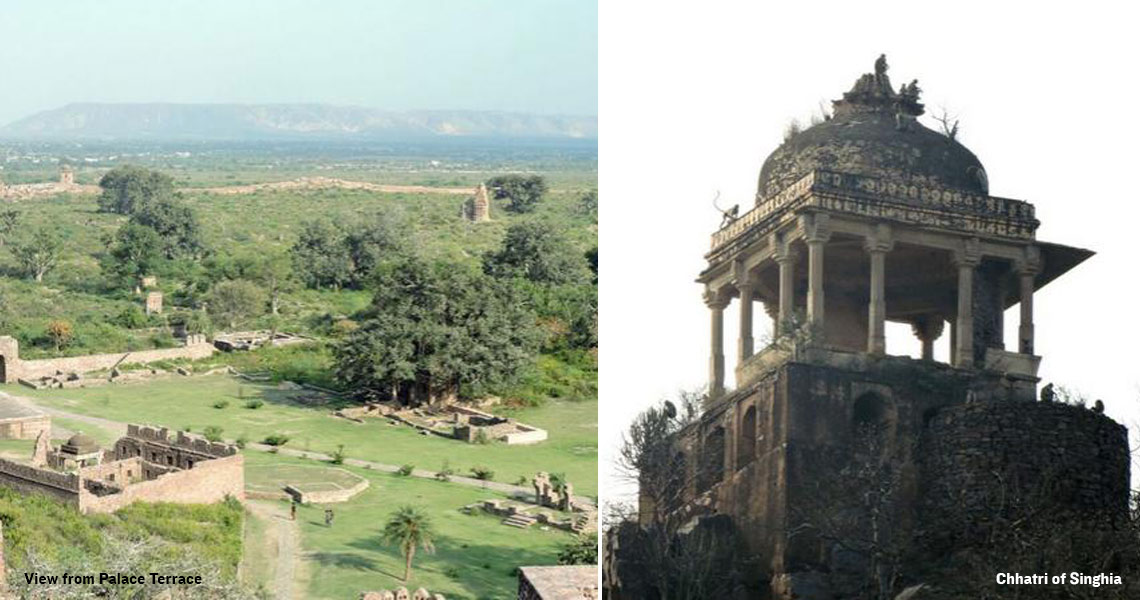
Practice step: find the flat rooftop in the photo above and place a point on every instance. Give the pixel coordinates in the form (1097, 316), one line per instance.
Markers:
(10, 408)
(563, 582)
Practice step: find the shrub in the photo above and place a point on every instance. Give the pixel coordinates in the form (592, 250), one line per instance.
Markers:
(482, 473)
(581, 551)
(481, 437)
(338, 456)
(213, 433)
(445, 472)
(276, 439)
(221, 403)
(405, 470)
(522, 480)
(254, 404)
(242, 440)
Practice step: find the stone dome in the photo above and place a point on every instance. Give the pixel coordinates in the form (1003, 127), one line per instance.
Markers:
(874, 131)
(81, 443)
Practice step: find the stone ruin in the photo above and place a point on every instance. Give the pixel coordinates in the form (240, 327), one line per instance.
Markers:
(545, 493)
(65, 184)
(833, 202)
(400, 593)
(154, 303)
(66, 175)
(252, 340)
(144, 465)
(452, 421)
(477, 208)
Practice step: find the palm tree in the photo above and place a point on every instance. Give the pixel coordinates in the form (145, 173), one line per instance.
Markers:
(408, 528)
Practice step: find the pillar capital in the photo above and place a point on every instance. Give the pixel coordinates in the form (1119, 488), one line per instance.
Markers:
(1030, 261)
(879, 240)
(742, 276)
(817, 227)
(968, 254)
(782, 249)
(716, 298)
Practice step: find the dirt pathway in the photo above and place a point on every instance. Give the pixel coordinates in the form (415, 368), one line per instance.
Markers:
(286, 543)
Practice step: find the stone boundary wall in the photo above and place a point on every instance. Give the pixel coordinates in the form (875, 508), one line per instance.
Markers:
(94, 362)
(24, 428)
(326, 496)
(29, 479)
(208, 482)
(974, 455)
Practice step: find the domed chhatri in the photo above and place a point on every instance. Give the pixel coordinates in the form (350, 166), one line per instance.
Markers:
(81, 443)
(874, 131)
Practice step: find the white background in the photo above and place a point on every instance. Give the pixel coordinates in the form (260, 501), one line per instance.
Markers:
(694, 96)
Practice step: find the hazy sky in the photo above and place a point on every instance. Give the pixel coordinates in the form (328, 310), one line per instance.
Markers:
(1041, 95)
(520, 55)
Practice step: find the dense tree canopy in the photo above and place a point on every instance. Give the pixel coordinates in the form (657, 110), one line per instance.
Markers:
(537, 251)
(176, 224)
(433, 328)
(232, 302)
(128, 188)
(132, 252)
(329, 256)
(522, 192)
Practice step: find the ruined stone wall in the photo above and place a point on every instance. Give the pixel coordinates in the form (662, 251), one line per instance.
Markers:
(976, 455)
(32, 480)
(154, 445)
(24, 428)
(117, 472)
(94, 362)
(208, 482)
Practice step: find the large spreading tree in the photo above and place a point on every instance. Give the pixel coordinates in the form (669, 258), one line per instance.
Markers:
(522, 192)
(128, 188)
(434, 328)
(539, 252)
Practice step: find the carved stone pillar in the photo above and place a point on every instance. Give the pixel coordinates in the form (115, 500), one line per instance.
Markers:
(877, 246)
(927, 329)
(716, 301)
(786, 259)
(1027, 271)
(966, 259)
(746, 288)
(816, 235)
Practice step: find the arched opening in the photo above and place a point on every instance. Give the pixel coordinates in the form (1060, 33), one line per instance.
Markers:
(3, 369)
(873, 422)
(746, 439)
(712, 459)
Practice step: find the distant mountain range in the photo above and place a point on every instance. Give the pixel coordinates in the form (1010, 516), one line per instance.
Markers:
(286, 121)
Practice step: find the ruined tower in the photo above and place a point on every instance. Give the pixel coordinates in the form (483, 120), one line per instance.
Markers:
(865, 218)
(477, 208)
(66, 175)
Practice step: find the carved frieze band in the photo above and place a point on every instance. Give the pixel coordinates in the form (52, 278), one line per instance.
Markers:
(897, 200)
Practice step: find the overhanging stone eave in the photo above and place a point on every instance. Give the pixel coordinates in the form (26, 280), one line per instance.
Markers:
(1056, 260)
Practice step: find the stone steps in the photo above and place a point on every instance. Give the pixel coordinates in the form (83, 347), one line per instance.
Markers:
(519, 520)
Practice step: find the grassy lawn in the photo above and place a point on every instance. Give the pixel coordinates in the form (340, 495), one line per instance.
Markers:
(475, 555)
(272, 477)
(179, 403)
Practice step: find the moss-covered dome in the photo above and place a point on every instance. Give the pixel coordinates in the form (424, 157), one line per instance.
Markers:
(874, 131)
(81, 443)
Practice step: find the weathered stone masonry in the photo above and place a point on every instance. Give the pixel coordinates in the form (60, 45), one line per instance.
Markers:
(145, 466)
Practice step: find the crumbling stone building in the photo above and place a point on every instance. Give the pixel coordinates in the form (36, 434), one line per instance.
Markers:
(864, 218)
(477, 208)
(145, 465)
